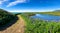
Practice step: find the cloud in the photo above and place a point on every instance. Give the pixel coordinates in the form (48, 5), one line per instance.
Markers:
(16, 2)
(2, 1)
(30, 10)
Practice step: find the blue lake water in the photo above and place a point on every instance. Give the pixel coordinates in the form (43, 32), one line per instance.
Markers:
(47, 17)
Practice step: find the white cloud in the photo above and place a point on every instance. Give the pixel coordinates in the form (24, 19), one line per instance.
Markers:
(16, 2)
(2, 1)
(30, 10)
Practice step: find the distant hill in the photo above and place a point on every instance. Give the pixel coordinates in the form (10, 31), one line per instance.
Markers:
(5, 17)
(57, 11)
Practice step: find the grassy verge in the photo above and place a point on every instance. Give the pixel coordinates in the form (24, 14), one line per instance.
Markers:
(40, 26)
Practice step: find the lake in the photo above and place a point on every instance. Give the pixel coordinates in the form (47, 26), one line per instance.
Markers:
(46, 17)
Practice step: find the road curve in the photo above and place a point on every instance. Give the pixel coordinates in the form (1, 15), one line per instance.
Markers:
(18, 27)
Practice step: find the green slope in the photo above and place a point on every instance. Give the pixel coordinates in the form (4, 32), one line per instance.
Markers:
(5, 17)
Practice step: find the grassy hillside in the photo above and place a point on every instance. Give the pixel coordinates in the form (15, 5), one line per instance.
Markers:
(5, 17)
(51, 13)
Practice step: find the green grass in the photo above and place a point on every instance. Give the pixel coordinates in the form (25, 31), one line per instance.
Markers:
(40, 26)
(51, 13)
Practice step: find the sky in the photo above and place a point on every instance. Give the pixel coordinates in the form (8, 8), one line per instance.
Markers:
(30, 5)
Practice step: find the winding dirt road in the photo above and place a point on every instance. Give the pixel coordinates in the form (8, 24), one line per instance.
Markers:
(18, 27)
